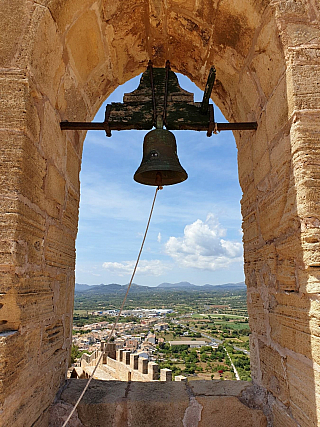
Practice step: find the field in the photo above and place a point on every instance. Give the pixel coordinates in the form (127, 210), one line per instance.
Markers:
(219, 317)
(182, 301)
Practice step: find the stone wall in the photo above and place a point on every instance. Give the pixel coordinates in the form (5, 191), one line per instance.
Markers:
(171, 404)
(126, 366)
(59, 61)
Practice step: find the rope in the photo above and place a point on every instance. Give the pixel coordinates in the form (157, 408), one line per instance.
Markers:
(120, 311)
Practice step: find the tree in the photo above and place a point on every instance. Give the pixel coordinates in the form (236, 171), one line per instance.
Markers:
(204, 357)
(75, 354)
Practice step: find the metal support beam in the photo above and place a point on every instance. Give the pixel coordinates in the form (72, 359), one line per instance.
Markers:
(159, 94)
(104, 126)
(207, 91)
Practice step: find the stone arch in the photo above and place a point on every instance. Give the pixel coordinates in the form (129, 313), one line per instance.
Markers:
(60, 60)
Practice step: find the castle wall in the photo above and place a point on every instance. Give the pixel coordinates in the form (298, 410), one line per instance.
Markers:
(59, 61)
(125, 366)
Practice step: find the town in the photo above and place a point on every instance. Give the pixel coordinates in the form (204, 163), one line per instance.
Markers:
(209, 342)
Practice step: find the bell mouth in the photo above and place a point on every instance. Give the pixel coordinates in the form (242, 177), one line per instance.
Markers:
(169, 177)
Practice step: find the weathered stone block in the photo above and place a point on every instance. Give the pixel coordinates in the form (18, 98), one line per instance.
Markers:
(17, 106)
(63, 292)
(257, 314)
(59, 248)
(271, 209)
(114, 32)
(268, 61)
(234, 413)
(12, 12)
(246, 168)
(303, 90)
(301, 33)
(288, 263)
(70, 214)
(57, 415)
(262, 169)
(10, 315)
(107, 396)
(248, 97)
(277, 110)
(85, 45)
(46, 54)
(305, 55)
(273, 373)
(281, 417)
(35, 308)
(250, 228)
(65, 12)
(52, 139)
(71, 103)
(280, 153)
(100, 85)
(161, 403)
(304, 387)
(20, 354)
(290, 328)
(73, 166)
(23, 167)
(177, 23)
(55, 185)
(255, 359)
(218, 387)
(249, 198)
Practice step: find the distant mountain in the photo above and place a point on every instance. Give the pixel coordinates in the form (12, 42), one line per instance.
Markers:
(104, 289)
(189, 286)
(115, 288)
(227, 286)
(180, 285)
(80, 288)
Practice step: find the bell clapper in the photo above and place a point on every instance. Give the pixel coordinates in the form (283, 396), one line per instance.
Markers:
(159, 179)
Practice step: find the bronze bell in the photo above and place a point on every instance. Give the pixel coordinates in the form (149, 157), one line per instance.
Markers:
(160, 164)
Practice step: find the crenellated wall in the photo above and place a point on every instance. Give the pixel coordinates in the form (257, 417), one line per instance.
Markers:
(59, 60)
(125, 366)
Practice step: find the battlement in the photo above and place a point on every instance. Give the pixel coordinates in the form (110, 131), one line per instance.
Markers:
(121, 365)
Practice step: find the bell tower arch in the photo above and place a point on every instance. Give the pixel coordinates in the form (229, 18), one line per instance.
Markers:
(59, 61)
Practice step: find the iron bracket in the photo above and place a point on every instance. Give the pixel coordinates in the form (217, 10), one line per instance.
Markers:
(160, 87)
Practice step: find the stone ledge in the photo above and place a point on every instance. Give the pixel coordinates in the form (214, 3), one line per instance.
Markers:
(219, 388)
(170, 404)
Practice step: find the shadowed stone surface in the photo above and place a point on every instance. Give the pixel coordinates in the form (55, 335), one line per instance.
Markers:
(171, 404)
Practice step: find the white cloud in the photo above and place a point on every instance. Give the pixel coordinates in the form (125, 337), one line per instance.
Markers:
(159, 237)
(151, 268)
(202, 246)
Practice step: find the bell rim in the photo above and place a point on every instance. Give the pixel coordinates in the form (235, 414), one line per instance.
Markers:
(146, 180)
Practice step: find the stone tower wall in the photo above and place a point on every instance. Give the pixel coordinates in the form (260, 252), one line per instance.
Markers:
(59, 59)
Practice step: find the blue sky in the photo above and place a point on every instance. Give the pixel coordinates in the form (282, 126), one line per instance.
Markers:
(195, 233)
